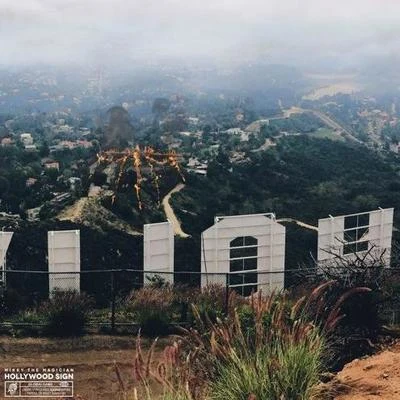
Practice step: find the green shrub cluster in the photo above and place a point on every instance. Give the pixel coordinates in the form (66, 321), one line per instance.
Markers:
(66, 313)
(152, 308)
(156, 307)
(279, 371)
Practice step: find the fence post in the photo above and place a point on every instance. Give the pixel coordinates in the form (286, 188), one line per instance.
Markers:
(226, 294)
(112, 301)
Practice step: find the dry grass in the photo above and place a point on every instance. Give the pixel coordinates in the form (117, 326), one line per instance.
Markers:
(269, 348)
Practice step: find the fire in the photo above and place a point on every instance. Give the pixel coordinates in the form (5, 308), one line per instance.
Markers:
(138, 157)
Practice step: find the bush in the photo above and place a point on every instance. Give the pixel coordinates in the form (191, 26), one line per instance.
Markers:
(30, 323)
(279, 371)
(66, 313)
(153, 309)
(362, 312)
(248, 321)
(269, 348)
(11, 301)
(212, 302)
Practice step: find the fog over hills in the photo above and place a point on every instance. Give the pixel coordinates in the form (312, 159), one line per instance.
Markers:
(121, 33)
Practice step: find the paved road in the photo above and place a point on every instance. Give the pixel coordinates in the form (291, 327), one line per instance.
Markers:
(323, 117)
(333, 124)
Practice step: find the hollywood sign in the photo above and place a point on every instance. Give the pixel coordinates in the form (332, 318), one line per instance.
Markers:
(244, 252)
(351, 235)
(64, 259)
(5, 239)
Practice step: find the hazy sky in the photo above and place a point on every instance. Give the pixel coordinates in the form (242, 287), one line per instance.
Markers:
(100, 31)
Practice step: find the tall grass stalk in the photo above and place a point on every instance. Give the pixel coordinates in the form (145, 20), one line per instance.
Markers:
(278, 372)
(269, 349)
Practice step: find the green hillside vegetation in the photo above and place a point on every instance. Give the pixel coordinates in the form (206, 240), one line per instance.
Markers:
(304, 123)
(302, 178)
(327, 133)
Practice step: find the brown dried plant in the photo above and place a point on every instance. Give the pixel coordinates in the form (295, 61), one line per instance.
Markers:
(172, 374)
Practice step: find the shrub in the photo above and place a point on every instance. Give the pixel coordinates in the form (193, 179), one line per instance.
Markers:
(66, 313)
(153, 309)
(30, 323)
(268, 348)
(271, 348)
(362, 313)
(213, 302)
(11, 301)
(279, 371)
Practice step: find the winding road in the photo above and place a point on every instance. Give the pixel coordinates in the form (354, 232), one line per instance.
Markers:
(333, 124)
(327, 120)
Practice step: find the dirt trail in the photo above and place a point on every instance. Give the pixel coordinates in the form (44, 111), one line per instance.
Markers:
(94, 371)
(90, 212)
(73, 212)
(169, 212)
(299, 223)
(372, 378)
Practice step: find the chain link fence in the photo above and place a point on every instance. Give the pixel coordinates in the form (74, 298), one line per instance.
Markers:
(110, 289)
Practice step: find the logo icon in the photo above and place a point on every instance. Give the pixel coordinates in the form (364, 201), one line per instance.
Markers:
(11, 388)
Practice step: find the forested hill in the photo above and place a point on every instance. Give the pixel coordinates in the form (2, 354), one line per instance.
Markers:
(302, 178)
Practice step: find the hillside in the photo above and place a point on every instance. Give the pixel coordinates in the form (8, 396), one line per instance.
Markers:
(90, 212)
(375, 377)
(301, 178)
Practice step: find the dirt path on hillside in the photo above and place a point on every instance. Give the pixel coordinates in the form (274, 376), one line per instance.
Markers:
(169, 212)
(299, 223)
(372, 378)
(74, 211)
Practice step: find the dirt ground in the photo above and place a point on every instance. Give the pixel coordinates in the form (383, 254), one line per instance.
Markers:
(372, 378)
(91, 357)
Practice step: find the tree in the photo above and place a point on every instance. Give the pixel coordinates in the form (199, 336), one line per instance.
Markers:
(44, 150)
(99, 178)
(4, 186)
(223, 158)
(160, 106)
(52, 173)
